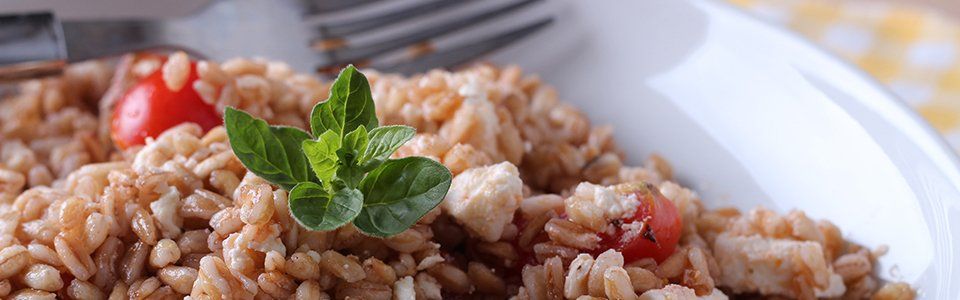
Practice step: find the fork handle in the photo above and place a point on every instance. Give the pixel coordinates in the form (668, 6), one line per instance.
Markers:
(31, 45)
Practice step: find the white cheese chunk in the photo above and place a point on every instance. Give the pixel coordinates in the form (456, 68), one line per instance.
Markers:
(484, 199)
(754, 264)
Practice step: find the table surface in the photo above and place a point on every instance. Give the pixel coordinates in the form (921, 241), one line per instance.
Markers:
(950, 6)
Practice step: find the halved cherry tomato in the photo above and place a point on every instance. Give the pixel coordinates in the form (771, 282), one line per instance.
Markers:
(149, 107)
(657, 239)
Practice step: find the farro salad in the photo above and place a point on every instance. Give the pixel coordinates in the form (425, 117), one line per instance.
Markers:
(156, 177)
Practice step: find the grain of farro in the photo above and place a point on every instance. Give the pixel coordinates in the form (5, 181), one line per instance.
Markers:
(257, 204)
(43, 253)
(276, 284)
(211, 72)
(408, 241)
(39, 175)
(571, 234)
(134, 261)
(203, 204)
(166, 252)
(832, 239)
(345, 268)
(80, 265)
(176, 71)
(5, 288)
(427, 287)
(895, 291)
(96, 228)
(11, 182)
(502, 250)
(698, 277)
(534, 228)
(143, 226)
(42, 277)
(643, 279)
(362, 290)
(119, 291)
(546, 250)
(141, 289)
(585, 213)
(555, 277)
(451, 278)
(404, 265)
(194, 241)
(180, 279)
(576, 282)
(302, 266)
(273, 261)
(226, 221)
(485, 279)
(105, 259)
(309, 289)
(32, 294)
(672, 267)
(534, 280)
(540, 204)
(604, 261)
(82, 290)
(852, 266)
(217, 281)
(617, 285)
(379, 272)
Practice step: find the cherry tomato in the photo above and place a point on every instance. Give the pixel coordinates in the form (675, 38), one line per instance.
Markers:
(149, 107)
(657, 239)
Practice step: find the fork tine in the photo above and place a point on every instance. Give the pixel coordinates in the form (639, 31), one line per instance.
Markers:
(465, 53)
(341, 29)
(349, 54)
(317, 7)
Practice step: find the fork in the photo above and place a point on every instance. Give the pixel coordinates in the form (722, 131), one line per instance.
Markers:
(318, 35)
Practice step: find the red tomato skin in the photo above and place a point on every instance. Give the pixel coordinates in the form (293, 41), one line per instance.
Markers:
(149, 107)
(665, 225)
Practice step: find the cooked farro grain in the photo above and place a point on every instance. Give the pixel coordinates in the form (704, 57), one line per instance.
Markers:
(345, 268)
(82, 290)
(485, 279)
(176, 70)
(571, 234)
(180, 279)
(42, 277)
(616, 284)
(181, 216)
(164, 253)
(852, 266)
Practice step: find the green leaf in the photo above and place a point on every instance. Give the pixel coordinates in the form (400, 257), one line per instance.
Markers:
(349, 154)
(356, 141)
(313, 208)
(292, 140)
(349, 106)
(399, 192)
(383, 142)
(272, 153)
(322, 154)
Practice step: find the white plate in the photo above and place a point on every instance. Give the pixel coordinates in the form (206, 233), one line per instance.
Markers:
(750, 115)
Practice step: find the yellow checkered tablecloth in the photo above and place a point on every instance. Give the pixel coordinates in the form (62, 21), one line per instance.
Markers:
(914, 50)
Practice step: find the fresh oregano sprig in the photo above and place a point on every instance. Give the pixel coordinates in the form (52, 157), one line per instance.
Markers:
(342, 172)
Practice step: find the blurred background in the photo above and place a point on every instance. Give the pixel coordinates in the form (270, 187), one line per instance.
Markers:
(912, 46)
